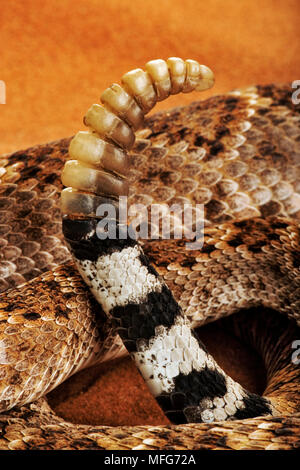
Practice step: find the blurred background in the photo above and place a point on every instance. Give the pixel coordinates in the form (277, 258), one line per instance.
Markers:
(58, 56)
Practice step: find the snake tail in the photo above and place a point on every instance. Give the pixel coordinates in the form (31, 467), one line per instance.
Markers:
(183, 377)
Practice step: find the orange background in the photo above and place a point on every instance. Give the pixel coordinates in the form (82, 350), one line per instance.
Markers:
(57, 56)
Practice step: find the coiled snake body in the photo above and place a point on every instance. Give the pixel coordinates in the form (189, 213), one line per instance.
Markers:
(238, 154)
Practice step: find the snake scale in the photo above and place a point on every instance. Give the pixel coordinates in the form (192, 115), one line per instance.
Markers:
(238, 155)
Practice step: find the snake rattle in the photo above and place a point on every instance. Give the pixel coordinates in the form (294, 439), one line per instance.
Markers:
(185, 380)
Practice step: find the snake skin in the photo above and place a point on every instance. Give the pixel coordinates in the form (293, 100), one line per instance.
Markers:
(239, 155)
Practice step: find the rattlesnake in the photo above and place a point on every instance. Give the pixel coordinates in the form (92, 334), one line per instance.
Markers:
(238, 154)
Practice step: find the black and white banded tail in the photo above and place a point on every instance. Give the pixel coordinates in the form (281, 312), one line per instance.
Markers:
(185, 380)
